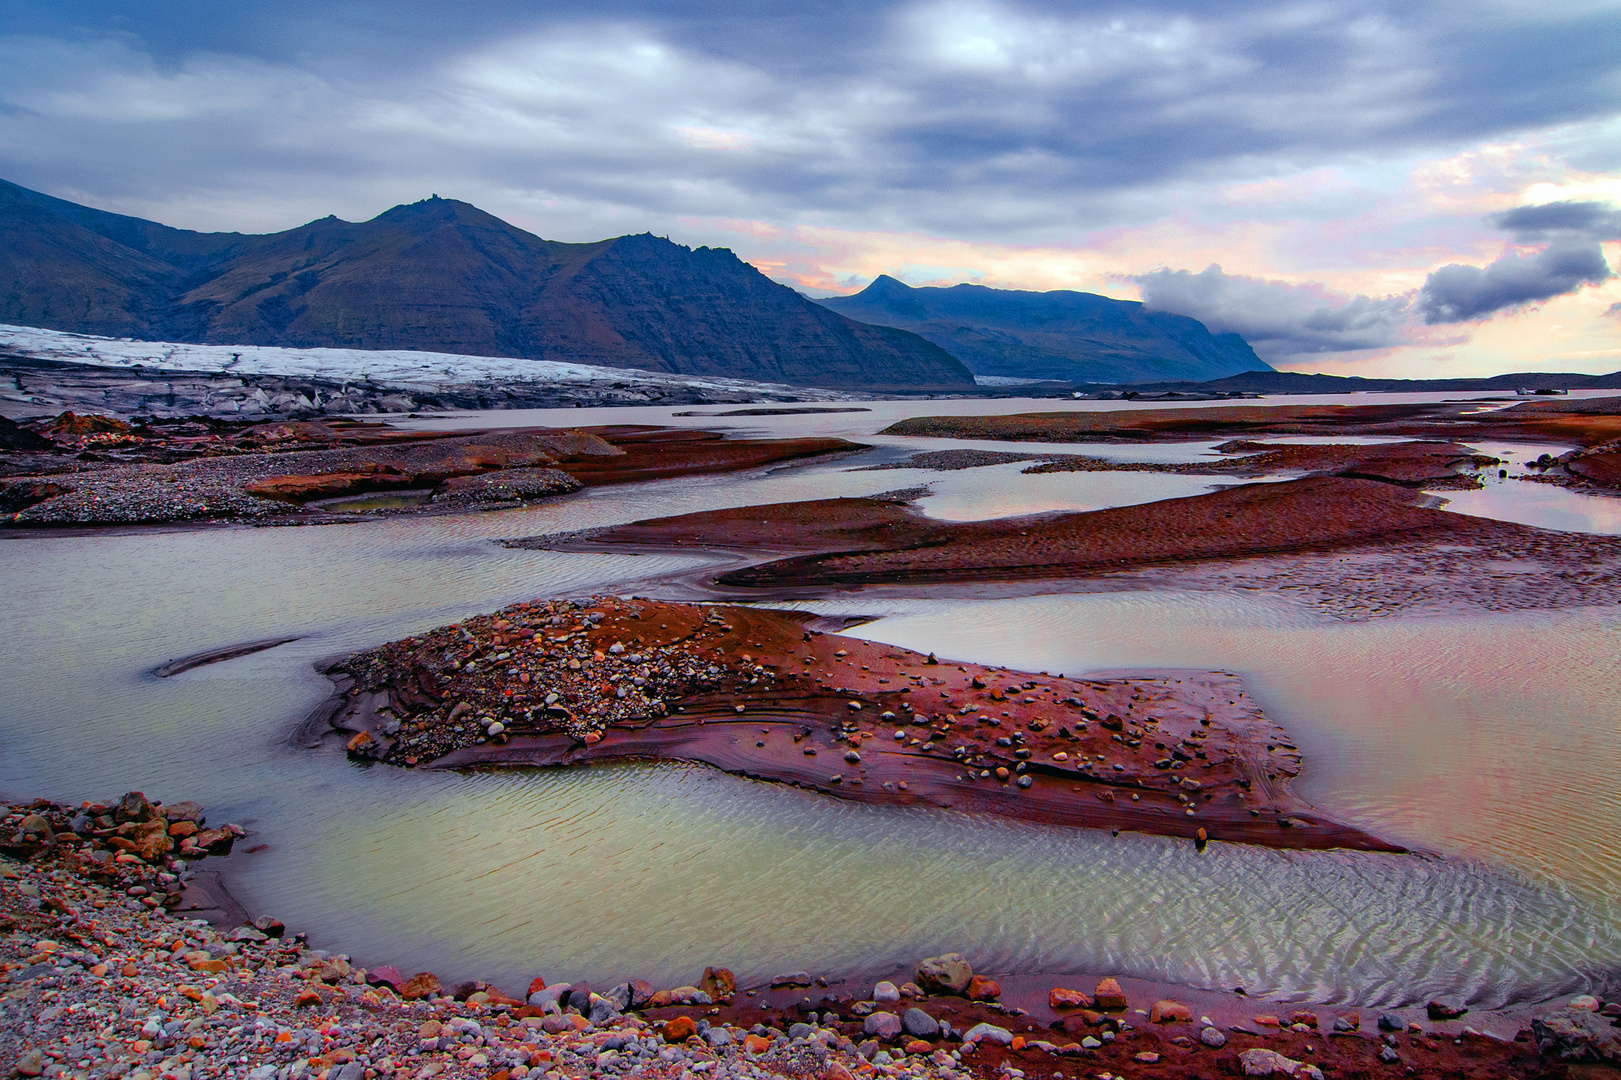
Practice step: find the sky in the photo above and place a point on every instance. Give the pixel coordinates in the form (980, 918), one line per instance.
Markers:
(1357, 187)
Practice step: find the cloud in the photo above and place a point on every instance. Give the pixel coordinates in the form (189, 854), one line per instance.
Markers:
(1572, 257)
(990, 120)
(1025, 143)
(1530, 224)
(1280, 320)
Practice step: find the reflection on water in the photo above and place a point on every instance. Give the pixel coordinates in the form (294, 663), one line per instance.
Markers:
(1542, 505)
(1530, 503)
(884, 413)
(392, 500)
(1004, 491)
(1442, 732)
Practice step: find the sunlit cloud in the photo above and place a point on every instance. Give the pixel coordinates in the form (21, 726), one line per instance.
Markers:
(1330, 158)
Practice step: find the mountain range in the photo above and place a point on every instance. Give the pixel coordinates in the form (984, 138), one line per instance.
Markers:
(442, 276)
(1071, 337)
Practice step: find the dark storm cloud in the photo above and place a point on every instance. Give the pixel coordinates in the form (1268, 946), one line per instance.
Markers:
(1459, 293)
(1573, 257)
(1594, 220)
(973, 118)
(1280, 320)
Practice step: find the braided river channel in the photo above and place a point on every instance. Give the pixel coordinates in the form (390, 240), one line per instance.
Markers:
(1489, 744)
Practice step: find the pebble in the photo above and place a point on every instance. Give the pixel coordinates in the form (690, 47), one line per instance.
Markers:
(1445, 1008)
(884, 1025)
(1168, 1012)
(919, 1023)
(1262, 1062)
(995, 1034)
(1109, 995)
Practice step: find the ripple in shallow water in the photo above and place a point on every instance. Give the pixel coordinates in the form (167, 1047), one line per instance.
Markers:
(510, 874)
(506, 874)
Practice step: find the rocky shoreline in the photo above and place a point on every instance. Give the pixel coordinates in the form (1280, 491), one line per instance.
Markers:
(104, 977)
(756, 693)
(78, 471)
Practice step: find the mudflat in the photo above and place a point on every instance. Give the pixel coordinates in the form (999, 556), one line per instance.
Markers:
(757, 693)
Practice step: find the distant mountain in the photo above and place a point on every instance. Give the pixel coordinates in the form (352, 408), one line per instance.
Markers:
(1061, 335)
(1295, 382)
(441, 276)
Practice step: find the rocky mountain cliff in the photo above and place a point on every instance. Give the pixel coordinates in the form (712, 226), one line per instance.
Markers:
(442, 276)
(1062, 335)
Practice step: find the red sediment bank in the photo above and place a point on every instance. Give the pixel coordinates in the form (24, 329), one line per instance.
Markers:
(883, 540)
(654, 453)
(1583, 422)
(755, 693)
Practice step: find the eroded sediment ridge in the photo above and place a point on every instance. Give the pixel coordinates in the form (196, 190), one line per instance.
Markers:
(756, 693)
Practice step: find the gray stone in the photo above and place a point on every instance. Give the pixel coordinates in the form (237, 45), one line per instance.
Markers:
(353, 1070)
(1261, 1062)
(1342, 1024)
(718, 1037)
(801, 1031)
(1212, 1038)
(1574, 1035)
(885, 1025)
(948, 974)
(886, 992)
(599, 1010)
(920, 1024)
(1391, 1022)
(995, 1034)
(1388, 1055)
(549, 996)
(620, 996)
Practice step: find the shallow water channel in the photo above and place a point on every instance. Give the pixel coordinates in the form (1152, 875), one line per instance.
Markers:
(1489, 742)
